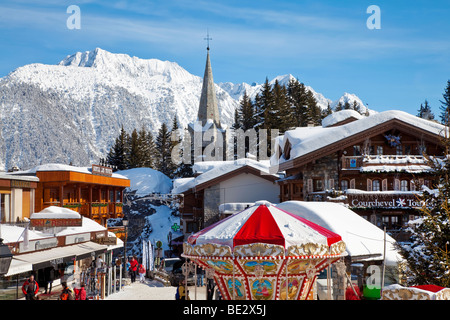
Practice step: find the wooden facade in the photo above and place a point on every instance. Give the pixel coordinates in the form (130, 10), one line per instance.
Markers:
(94, 196)
(378, 171)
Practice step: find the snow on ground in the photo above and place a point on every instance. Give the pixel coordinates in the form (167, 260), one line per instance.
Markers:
(153, 290)
(147, 180)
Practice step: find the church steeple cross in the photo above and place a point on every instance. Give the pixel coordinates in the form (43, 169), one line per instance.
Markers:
(207, 39)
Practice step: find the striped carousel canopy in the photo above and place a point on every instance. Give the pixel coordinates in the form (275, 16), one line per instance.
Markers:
(264, 223)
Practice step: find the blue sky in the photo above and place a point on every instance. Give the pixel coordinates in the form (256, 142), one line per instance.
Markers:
(325, 44)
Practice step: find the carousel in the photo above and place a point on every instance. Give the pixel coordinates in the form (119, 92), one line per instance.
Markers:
(264, 253)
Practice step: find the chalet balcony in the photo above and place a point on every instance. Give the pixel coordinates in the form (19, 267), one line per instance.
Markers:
(386, 163)
(94, 210)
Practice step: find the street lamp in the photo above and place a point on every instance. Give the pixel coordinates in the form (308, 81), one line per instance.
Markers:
(125, 224)
(5, 257)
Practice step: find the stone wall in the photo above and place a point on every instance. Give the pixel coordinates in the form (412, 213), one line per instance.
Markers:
(211, 204)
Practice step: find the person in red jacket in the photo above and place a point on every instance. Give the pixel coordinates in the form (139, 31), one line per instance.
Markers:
(30, 288)
(80, 294)
(133, 268)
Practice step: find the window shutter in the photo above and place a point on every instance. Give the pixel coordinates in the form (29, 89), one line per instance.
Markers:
(352, 184)
(396, 184)
(369, 185)
(309, 185)
(384, 185)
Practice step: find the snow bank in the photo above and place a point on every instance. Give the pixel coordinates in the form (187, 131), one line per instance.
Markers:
(147, 180)
(360, 236)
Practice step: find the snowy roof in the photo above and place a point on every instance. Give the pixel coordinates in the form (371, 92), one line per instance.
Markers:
(308, 139)
(61, 167)
(360, 236)
(11, 233)
(340, 116)
(54, 212)
(11, 176)
(213, 169)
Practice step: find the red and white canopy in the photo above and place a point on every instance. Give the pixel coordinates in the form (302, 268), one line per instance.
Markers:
(264, 223)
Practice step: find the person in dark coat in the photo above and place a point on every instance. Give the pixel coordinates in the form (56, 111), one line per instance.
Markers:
(49, 277)
(30, 288)
(210, 285)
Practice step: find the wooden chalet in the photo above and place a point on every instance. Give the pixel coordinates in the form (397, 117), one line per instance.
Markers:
(375, 164)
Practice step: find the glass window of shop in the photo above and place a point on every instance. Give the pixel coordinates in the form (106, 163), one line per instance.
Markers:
(5, 207)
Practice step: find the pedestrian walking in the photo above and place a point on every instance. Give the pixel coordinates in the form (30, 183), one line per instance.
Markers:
(141, 273)
(30, 288)
(182, 292)
(200, 275)
(80, 294)
(133, 268)
(210, 285)
(49, 277)
(66, 293)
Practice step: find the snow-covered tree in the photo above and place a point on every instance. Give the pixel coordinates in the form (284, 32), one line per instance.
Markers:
(427, 253)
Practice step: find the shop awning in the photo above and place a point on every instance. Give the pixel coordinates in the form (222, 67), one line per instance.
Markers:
(46, 258)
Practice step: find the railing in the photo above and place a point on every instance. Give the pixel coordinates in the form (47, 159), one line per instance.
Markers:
(356, 162)
(98, 209)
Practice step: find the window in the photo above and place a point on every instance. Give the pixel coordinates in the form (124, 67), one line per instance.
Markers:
(376, 185)
(344, 185)
(318, 185)
(407, 149)
(379, 150)
(404, 185)
(399, 150)
(5, 204)
(356, 150)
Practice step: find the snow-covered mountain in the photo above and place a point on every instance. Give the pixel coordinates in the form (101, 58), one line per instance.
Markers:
(236, 91)
(72, 112)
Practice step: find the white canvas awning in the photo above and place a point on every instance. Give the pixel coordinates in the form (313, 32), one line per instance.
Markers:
(41, 259)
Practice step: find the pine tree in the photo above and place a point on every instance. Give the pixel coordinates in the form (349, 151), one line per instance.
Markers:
(297, 97)
(264, 107)
(282, 117)
(135, 156)
(246, 113)
(164, 147)
(445, 107)
(425, 111)
(148, 148)
(118, 154)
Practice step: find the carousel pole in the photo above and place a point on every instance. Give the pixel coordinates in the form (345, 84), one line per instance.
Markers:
(234, 283)
(195, 277)
(287, 281)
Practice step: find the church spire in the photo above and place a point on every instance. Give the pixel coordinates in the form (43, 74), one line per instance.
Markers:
(208, 108)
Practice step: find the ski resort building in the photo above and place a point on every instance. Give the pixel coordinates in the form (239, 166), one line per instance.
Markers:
(220, 188)
(95, 193)
(376, 164)
(17, 196)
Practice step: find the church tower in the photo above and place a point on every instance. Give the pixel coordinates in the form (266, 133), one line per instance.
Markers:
(208, 110)
(207, 137)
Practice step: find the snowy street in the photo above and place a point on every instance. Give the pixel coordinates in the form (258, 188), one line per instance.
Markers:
(153, 290)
